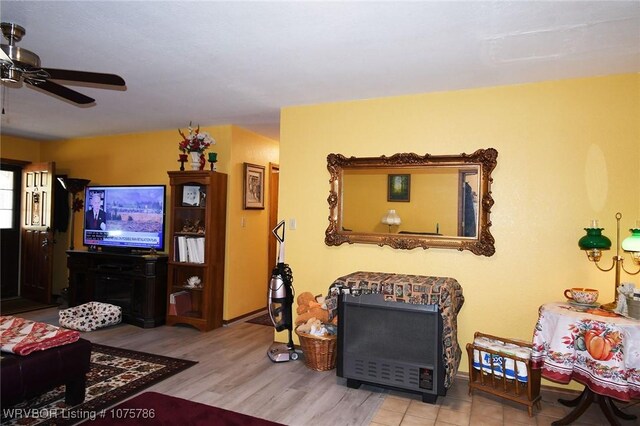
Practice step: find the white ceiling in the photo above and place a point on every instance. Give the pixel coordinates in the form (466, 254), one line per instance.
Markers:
(240, 62)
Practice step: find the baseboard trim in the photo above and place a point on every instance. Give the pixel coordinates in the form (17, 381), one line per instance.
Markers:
(246, 316)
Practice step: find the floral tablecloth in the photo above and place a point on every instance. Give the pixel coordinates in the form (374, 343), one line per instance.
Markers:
(444, 291)
(579, 343)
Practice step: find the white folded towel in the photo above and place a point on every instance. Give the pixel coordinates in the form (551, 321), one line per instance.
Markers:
(512, 368)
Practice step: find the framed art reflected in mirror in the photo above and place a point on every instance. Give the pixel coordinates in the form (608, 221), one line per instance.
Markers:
(399, 187)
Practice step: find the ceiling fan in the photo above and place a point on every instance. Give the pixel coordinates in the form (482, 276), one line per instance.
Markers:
(21, 65)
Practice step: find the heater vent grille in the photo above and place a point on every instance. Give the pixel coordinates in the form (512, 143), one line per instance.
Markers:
(385, 372)
(391, 344)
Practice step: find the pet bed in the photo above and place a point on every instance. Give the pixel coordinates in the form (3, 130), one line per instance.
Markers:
(90, 316)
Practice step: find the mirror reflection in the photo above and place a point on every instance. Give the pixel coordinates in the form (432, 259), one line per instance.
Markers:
(409, 200)
(423, 201)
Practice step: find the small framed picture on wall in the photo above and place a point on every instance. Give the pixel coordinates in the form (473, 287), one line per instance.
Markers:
(398, 188)
(253, 187)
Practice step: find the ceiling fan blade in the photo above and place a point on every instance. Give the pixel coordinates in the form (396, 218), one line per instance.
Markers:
(62, 91)
(4, 57)
(85, 76)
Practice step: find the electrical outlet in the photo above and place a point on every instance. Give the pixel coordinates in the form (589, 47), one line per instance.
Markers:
(292, 224)
(243, 222)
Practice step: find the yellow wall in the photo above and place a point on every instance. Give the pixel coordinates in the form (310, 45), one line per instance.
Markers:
(247, 265)
(15, 148)
(145, 158)
(433, 203)
(568, 152)
(136, 158)
(140, 158)
(437, 208)
(365, 202)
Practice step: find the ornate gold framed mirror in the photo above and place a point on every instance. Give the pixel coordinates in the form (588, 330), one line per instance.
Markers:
(409, 200)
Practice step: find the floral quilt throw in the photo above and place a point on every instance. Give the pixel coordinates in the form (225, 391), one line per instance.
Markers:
(21, 336)
(597, 348)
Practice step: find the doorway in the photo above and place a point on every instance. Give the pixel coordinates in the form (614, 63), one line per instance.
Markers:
(36, 232)
(274, 184)
(10, 184)
(468, 216)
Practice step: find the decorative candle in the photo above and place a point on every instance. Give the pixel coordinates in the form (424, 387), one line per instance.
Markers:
(183, 157)
(213, 157)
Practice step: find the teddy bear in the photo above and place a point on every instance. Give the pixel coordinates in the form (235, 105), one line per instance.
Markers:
(312, 326)
(309, 307)
(316, 327)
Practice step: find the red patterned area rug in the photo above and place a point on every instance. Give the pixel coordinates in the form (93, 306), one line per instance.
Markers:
(152, 408)
(116, 374)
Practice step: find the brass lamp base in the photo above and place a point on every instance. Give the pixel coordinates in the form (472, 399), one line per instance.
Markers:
(611, 306)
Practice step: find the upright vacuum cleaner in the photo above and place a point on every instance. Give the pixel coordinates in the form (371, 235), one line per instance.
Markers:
(280, 300)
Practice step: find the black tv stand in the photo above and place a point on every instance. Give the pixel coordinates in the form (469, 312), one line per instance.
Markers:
(135, 282)
(124, 250)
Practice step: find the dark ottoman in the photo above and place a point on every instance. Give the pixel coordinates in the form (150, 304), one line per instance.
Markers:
(24, 377)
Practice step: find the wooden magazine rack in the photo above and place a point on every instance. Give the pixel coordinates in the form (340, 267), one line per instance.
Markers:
(492, 377)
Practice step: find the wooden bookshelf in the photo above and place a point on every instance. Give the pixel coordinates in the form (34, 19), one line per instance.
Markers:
(197, 247)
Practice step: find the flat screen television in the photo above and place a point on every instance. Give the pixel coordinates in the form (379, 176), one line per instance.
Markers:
(124, 218)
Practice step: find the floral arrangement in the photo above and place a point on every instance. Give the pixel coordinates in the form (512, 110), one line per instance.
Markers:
(194, 141)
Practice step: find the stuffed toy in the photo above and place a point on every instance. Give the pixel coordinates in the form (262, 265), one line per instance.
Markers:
(315, 327)
(304, 301)
(309, 307)
(311, 324)
(624, 290)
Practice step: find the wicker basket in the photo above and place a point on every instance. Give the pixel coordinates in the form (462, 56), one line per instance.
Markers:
(633, 307)
(319, 351)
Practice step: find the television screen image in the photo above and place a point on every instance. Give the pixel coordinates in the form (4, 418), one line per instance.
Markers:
(125, 217)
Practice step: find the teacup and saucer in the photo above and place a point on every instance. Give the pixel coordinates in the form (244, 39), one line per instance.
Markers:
(582, 296)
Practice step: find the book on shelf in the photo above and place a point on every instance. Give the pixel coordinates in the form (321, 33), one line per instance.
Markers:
(200, 248)
(189, 249)
(179, 303)
(192, 251)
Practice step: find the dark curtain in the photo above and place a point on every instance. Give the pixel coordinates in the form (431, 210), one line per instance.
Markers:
(60, 207)
(469, 212)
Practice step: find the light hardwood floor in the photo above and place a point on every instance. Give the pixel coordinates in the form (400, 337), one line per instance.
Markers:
(233, 372)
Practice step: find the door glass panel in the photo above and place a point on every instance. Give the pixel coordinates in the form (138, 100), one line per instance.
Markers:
(6, 199)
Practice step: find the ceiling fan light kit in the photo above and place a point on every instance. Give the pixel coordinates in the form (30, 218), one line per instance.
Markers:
(21, 65)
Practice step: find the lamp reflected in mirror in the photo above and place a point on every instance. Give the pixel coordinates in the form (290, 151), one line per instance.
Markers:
(594, 243)
(391, 218)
